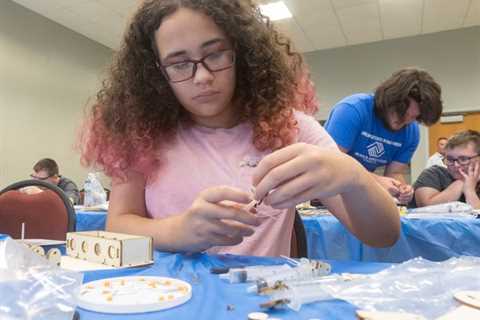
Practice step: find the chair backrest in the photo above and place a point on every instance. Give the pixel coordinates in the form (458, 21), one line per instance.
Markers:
(298, 246)
(48, 215)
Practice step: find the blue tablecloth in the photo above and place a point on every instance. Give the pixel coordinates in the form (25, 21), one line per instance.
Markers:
(434, 239)
(211, 295)
(90, 220)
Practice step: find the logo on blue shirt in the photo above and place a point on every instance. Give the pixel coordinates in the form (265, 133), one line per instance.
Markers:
(376, 150)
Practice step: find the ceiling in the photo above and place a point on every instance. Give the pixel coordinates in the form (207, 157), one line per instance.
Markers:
(316, 24)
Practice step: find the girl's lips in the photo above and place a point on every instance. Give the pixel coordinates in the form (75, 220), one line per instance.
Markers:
(205, 95)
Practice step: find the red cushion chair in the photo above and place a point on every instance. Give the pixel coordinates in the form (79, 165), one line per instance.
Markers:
(47, 215)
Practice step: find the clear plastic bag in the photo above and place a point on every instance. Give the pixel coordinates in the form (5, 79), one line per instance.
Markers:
(417, 286)
(33, 288)
(95, 194)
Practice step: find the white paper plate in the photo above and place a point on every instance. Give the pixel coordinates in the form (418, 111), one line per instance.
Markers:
(133, 294)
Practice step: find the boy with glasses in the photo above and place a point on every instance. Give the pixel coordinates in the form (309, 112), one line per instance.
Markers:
(459, 180)
(47, 170)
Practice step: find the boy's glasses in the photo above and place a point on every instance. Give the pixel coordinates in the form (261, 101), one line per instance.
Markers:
(213, 62)
(39, 178)
(449, 161)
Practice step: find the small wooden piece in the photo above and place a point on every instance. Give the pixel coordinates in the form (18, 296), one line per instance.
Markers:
(471, 298)
(257, 316)
(379, 315)
(462, 313)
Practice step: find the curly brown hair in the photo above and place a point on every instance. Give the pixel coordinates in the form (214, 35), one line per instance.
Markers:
(393, 95)
(136, 111)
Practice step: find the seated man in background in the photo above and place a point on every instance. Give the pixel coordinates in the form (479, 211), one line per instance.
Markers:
(459, 181)
(381, 129)
(437, 157)
(47, 170)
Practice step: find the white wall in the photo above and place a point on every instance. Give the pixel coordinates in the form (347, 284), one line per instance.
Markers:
(47, 73)
(452, 58)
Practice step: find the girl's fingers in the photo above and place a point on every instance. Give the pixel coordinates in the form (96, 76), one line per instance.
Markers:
(223, 193)
(291, 190)
(273, 160)
(305, 195)
(231, 229)
(223, 212)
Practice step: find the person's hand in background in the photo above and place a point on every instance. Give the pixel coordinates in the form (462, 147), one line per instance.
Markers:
(405, 194)
(30, 190)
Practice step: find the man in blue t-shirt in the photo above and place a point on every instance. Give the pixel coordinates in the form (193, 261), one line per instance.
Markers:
(382, 129)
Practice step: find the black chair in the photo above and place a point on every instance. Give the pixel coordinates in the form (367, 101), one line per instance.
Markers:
(22, 204)
(298, 247)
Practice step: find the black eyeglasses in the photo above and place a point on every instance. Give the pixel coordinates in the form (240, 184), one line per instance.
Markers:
(213, 62)
(39, 178)
(449, 161)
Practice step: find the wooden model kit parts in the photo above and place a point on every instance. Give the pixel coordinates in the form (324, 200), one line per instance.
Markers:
(471, 298)
(378, 315)
(109, 248)
(257, 316)
(462, 313)
(53, 255)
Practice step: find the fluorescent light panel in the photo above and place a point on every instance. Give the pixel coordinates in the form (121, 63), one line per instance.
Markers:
(275, 10)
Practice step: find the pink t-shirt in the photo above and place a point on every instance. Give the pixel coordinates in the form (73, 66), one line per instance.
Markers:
(204, 157)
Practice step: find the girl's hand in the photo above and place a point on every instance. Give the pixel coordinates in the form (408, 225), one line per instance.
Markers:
(301, 172)
(216, 218)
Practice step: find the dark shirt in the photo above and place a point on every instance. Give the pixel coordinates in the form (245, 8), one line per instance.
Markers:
(435, 177)
(70, 189)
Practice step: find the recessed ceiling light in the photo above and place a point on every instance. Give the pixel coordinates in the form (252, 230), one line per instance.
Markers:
(275, 10)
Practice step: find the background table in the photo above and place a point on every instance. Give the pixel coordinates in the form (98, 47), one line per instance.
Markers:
(90, 220)
(211, 295)
(434, 239)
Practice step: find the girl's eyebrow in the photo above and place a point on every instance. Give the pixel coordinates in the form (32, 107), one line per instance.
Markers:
(203, 46)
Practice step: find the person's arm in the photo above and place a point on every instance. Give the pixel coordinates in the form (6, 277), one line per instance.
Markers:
(435, 186)
(351, 209)
(71, 191)
(208, 222)
(390, 184)
(427, 196)
(301, 172)
(397, 171)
